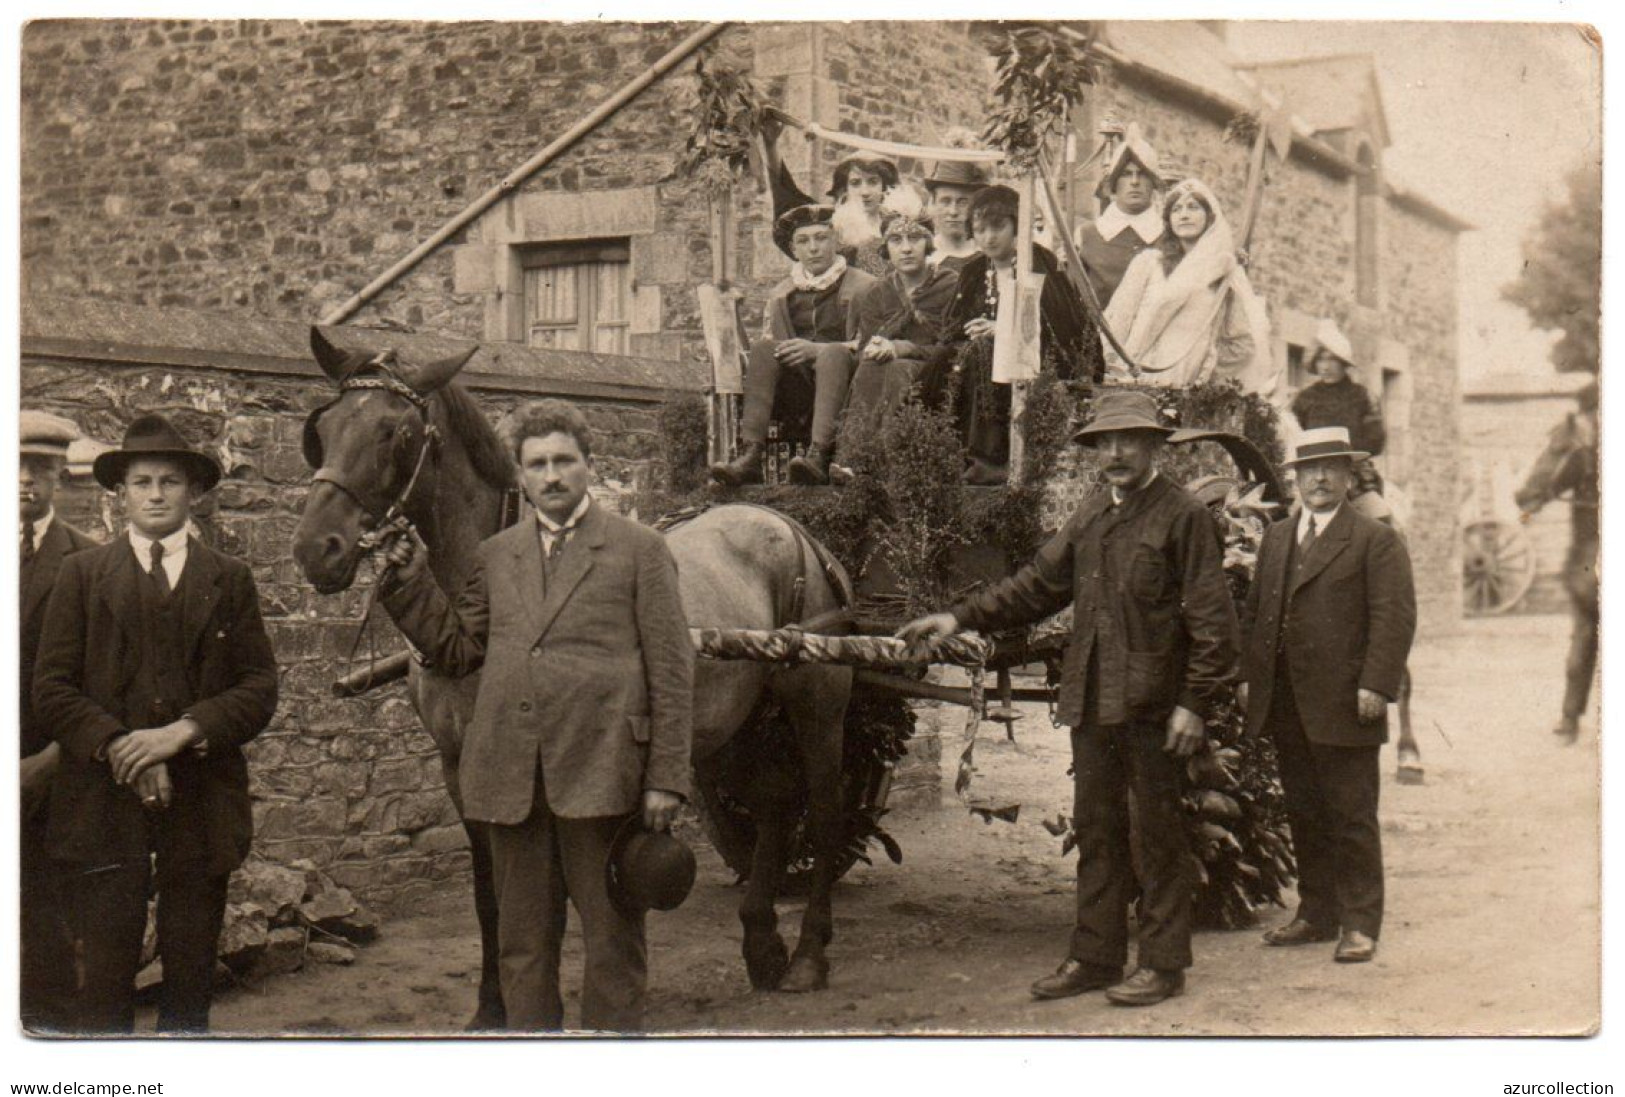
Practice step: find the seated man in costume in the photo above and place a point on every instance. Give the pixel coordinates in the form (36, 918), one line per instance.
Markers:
(806, 357)
(952, 185)
(857, 188)
(1131, 221)
(902, 316)
(1068, 338)
(1334, 399)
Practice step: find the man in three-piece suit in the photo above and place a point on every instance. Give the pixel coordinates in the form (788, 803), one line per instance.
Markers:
(584, 715)
(47, 941)
(1328, 623)
(153, 670)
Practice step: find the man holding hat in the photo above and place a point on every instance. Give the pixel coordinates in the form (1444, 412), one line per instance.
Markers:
(47, 940)
(805, 359)
(1131, 221)
(1329, 620)
(1153, 651)
(1335, 399)
(154, 669)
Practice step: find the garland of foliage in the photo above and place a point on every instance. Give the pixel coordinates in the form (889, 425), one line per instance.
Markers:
(726, 112)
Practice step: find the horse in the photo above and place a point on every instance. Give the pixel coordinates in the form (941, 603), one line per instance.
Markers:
(406, 437)
(1567, 469)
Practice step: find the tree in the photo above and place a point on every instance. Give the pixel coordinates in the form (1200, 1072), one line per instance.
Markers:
(1560, 286)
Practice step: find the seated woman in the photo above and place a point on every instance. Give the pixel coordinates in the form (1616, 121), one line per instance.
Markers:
(858, 187)
(1185, 312)
(904, 312)
(1067, 337)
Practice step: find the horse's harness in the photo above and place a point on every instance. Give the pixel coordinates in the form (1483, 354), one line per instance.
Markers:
(376, 373)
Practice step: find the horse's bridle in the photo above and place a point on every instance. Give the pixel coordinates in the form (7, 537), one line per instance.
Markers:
(378, 373)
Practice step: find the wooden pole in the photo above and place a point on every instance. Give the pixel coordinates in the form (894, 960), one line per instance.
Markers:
(629, 91)
(1023, 302)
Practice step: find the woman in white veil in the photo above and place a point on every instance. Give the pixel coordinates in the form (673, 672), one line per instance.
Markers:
(1185, 311)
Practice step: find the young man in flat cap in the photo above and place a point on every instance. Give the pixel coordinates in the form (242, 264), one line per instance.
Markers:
(154, 669)
(1153, 652)
(47, 540)
(805, 359)
(1329, 620)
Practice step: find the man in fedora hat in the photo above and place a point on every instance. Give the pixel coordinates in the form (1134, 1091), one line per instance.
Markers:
(47, 540)
(1335, 399)
(952, 185)
(1328, 622)
(154, 669)
(1153, 652)
(1130, 221)
(805, 359)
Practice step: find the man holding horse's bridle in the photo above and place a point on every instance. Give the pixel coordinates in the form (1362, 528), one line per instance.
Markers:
(584, 716)
(1153, 653)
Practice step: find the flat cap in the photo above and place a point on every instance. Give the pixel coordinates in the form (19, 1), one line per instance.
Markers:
(43, 433)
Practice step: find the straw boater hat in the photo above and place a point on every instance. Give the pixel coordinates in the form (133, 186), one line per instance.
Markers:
(45, 434)
(153, 436)
(648, 869)
(1323, 442)
(1122, 409)
(1330, 338)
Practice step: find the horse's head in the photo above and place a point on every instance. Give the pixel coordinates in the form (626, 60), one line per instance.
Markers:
(1568, 465)
(371, 448)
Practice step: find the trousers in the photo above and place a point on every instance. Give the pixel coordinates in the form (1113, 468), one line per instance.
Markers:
(540, 866)
(789, 393)
(46, 938)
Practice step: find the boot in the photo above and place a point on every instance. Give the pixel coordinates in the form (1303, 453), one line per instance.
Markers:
(813, 468)
(743, 469)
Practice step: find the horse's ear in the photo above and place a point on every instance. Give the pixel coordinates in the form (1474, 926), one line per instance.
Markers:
(433, 376)
(333, 361)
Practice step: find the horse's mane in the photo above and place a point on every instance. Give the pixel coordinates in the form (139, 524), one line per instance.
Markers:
(486, 451)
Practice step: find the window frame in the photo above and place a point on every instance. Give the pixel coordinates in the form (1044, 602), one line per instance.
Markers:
(586, 259)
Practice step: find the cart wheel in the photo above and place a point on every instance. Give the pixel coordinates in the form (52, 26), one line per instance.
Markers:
(1498, 566)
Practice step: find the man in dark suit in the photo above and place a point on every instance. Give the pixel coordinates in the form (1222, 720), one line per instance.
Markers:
(1153, 652)
(154, 669)
(584, 715)
(1328, 622)
(47, 940)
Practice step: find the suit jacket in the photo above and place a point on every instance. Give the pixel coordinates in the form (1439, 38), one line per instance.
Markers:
(85, 683)
(1342, 622)
(853, 284)
(594, 679)
(1149, 602)
(60, 541)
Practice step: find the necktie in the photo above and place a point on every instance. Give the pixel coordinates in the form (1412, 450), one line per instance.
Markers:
(1307, 543)
(28, 542)
(557, 545)
(159, 575)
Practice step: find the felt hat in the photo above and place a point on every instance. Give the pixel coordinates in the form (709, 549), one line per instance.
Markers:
(648, 869)
(1121, 409)
(45, 434)
(1330, 338)
(1321, 443)
(154, 436)
(956, 173)
(802, 216)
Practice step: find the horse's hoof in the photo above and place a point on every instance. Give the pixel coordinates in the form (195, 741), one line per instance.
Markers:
(766, 962)
(807, 973)
(1567, 732)
(1410, 774)
(487, 1018)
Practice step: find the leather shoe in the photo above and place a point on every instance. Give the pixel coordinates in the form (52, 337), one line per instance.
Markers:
(1146, 987)
(1076, 977)
(1298, 932)
(1355, 948)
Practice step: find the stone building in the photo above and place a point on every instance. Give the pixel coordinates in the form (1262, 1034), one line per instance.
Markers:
(195, 193)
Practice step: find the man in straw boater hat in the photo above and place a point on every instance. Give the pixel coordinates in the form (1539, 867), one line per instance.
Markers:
(46, 975)
(1153, 653)
(1329, 620)
(952, 185)
(154, 669)
(1336, 399)
(1130, 222)
(805, 359)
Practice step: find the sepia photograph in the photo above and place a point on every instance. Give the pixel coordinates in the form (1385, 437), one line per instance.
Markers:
(921, 527)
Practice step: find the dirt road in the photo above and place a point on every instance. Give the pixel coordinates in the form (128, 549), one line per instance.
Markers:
(1493, 913)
